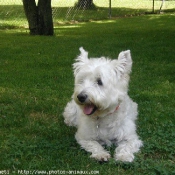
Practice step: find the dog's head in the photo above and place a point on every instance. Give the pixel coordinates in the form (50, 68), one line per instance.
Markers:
(101, 83)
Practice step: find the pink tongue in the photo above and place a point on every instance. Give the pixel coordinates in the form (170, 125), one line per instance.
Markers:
(88, 109)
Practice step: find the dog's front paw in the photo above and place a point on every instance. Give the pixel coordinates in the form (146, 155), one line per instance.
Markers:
(124, 157)
(101, 156)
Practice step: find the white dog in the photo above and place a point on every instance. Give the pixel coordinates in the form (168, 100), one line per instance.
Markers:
(101, 108)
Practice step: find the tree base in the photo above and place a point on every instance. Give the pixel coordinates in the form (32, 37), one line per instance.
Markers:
(39, 17)
(85, 4)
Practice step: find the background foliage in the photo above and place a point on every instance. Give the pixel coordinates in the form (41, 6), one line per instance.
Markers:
(12, 13)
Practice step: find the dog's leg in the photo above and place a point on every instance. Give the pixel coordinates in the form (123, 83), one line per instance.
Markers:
(126, 148)
(128, 141)
(71, 113)
(96, 149)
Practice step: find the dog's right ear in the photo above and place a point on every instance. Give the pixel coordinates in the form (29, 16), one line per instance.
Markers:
(81, 60)
(123, 64)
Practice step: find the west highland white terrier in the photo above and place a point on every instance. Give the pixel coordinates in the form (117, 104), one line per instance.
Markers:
(101, 109)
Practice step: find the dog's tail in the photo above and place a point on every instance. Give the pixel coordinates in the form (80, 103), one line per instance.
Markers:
(71, 113)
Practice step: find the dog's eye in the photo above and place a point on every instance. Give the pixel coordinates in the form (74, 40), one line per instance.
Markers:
(99, 82)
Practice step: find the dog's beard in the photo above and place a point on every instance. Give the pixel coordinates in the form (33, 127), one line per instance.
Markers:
(93, 109)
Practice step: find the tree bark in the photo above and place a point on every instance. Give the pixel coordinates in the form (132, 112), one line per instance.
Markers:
(85, 4)
(45, 22)
(31, 12)
(39, 17)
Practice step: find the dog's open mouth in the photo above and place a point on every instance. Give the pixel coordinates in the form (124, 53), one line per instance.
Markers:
(89, 109)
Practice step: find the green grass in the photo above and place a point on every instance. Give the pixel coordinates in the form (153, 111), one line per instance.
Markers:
(36, 82)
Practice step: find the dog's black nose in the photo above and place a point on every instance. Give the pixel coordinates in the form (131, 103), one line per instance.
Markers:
(82, 97)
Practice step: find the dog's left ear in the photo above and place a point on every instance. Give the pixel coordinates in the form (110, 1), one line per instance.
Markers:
(123, 64)
(81, 60)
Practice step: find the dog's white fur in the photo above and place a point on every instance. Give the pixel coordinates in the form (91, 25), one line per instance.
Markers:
(102, 84)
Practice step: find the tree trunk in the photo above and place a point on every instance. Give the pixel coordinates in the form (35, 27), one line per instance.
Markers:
(31, 13)
(85, 4)
(39, 17)
(45, 22)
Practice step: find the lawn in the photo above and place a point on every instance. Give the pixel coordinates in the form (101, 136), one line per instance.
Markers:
(36, 82)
